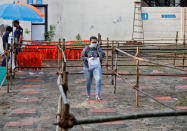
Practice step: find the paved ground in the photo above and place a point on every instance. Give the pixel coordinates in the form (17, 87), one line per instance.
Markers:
(31, 105)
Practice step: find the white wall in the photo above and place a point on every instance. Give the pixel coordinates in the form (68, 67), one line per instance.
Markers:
(111, 18)
(157, 27)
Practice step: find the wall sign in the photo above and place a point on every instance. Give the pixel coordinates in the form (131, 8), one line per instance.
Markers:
(29, 1)
(168, 16)
(145, 16)
(39, 1)
(34, 2)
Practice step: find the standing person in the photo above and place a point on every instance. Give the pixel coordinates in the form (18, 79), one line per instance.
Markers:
(92, 55)
(18, 35)
(5, 41)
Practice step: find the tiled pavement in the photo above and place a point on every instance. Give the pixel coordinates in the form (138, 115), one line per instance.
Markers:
(29, 110)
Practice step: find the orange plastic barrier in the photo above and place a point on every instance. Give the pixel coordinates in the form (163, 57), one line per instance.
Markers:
(33, 57)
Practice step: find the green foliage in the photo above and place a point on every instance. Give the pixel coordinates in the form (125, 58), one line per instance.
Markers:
(49, 35)
(27, 31)
(78, 37)
(181, 101)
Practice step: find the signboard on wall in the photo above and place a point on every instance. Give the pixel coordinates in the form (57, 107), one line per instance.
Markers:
(39, 1)
(32, 1)
(29, 1)
(168, 16)
(145, 16)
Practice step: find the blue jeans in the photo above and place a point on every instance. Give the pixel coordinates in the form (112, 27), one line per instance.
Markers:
(89, 74)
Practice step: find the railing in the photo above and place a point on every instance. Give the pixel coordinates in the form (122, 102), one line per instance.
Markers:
(65, 120)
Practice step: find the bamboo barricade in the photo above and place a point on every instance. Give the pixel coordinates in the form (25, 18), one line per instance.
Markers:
(7, 70)
(137, 74)
(64, 118)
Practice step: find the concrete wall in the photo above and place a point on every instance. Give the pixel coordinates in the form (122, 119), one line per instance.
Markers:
(158, 27)
(164, 22)
(113, 19)
(88, 17)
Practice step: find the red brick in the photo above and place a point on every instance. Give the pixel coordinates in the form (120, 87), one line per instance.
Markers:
(29, 92)
(80, 68)
(112, 123)
(81, 87)
(157, 72)
(164, 98)
(29, 86)
(120, 79)
(19, 124)
(184, 77)
(85, 94)
(80, 80)
(146, 87)
(25, 100)
(181, 107)
(21, 73)
(52, 72)
(96, 101)
(24, 111)
(151, 78)
(14, 124)
(107, 110)
(123, 72)
(34, 80)
(182, 87)
(27, 123)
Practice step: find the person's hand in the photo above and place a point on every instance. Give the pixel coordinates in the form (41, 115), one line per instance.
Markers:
(91, 58)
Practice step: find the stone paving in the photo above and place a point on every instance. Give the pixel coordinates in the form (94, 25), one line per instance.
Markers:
(31, 104)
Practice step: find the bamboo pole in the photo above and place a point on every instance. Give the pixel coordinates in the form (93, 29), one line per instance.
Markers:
(115, 79)
(3, 81)
(137, 78)
(177, 37)
(183, 60)
(184, 40)
(174, 59)
(107, 54)
(112, 62)
(148, 61)
(59, 55)
(99, 39)
(59, 112)
(11, 53)
(131, 117)
(7, 70)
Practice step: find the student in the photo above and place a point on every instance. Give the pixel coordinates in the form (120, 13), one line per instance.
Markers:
(92, 55)
(18, 35)
(5, 41)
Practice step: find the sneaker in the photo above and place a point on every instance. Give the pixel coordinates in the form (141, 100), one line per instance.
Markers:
(98, 97)
(88, 98)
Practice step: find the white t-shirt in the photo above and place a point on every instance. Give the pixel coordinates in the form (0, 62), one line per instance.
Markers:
(95, 63)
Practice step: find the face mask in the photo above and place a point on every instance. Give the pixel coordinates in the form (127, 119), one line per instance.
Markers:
(94, 44)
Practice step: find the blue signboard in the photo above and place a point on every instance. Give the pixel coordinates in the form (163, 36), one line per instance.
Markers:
(39, 1)
(145, 16)
(29, 1)
(168, 16)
